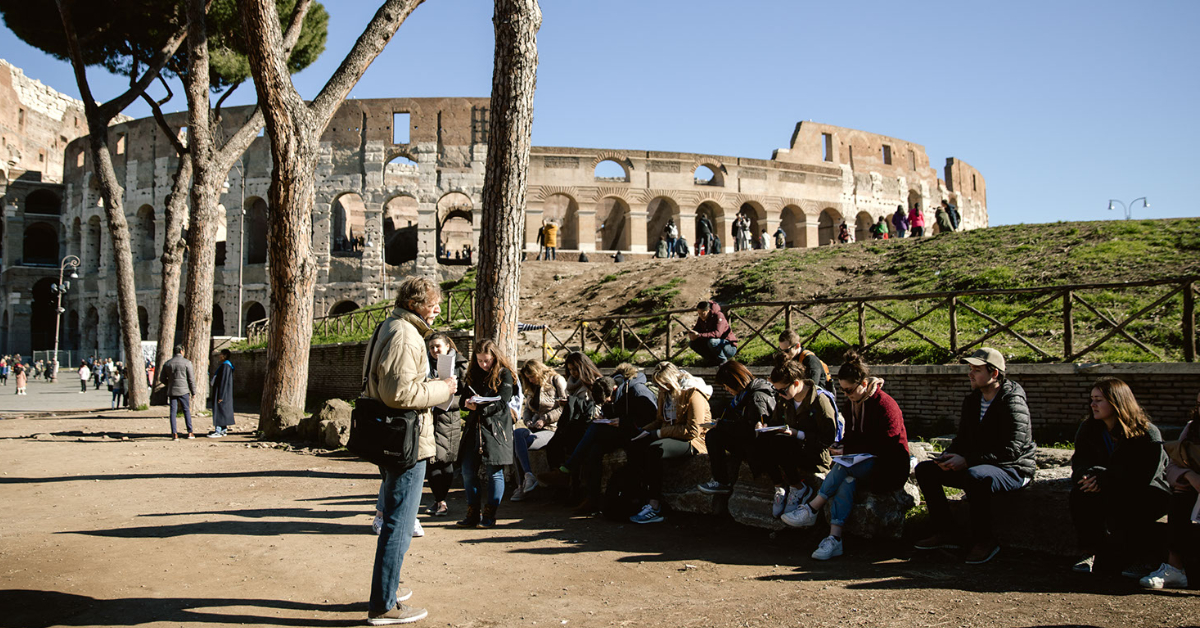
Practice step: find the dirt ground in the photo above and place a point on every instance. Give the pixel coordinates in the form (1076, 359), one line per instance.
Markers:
(105, 522)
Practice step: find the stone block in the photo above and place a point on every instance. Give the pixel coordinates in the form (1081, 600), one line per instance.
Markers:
(281, 423)
(880, 515)
(335, 433)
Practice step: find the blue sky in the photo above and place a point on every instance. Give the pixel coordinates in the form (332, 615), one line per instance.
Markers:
(1061, 105)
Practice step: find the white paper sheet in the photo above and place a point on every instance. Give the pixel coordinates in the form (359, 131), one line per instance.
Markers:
(445, 370)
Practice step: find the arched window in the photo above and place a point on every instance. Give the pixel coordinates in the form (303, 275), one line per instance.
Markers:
(218, 321)
(564, 211)
(145, 217)
(456, 229)
(792, 220)
(41, 244)
(612, 171)
(221, 238)
(612, 230)
(91, 258)
(661, 211)
(400, 220)
(348, 235)
(827, 226)
(708, 174)
(862, 226)
(400, 171)
(343, 307)
(43, 202)
(144, 323)
(256, 231)
(254, 312)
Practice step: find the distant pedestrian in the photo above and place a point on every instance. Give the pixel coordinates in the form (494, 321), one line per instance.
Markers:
(704, 230)
(952, 212)
(672, 233)
(21, 376)
(762, 240)
(843, 234)
(900, 221)
(222, 394)
(550, 239)
(85, 374)
(943, 219)
(117, 384)
(541, 241)
(916, 220)
(780, 238)
(180, 379)
(4, 368)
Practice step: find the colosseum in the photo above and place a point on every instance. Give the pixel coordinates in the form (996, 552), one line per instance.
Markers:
(399, 189)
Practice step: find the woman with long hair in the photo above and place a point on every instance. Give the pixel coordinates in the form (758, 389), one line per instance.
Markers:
(545, 392)
(683, 415)
(447, 426)
(1119, 485)
(487, 441)
(875, 427)
(581, 374)
(734, 434)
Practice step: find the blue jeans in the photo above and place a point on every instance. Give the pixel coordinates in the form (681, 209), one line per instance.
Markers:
(525, 439)
(839, 487)
(183, 401)
(713, 349)
(401, 493)
(471, 485)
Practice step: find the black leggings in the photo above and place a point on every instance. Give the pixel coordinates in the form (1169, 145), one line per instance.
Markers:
(647, 460)
(440, 476)
(1114, 523)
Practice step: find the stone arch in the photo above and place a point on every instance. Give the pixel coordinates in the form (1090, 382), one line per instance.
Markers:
(793, 220)
(758, 219)
(401, 219)
(455, 225)
(613, 229)
(73, 329)
(112, 339)
(218, 321)
(343, 307)
(708, 173)
(606, 170)
(862, 226)
(91, 331)
(349, 224)
(659, 211)
(94, 245)
(143, 323)
(41, 244)
(145, 229)
(827, 226)
(400, 169)
(43, 202)
(715, 213)
(564, 210)
(77, 238)
(254, 312)
(42, 315)
(256, 231)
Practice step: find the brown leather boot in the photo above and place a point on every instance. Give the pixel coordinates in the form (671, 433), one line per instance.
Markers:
(472, 518)
(489, 517)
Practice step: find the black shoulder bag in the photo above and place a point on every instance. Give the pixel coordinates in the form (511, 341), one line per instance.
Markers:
(386, 436)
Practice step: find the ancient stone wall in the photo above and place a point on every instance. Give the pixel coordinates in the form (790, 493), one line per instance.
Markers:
(36, 123)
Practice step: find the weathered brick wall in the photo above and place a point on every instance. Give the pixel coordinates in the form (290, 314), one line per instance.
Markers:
(929, 396)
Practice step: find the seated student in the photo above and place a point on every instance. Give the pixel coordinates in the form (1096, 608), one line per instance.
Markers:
(678, 431)
(800, 451)
(752, 404)
(875, 426)
(545, 390)
(818, 371)
(1118, 474)
(992, 452)
(581, 375)
(1183, 476)
(711, 338)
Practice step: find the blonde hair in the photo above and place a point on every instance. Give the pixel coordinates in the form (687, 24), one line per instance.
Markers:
(626, 370)
(535, 373)
(667, 375)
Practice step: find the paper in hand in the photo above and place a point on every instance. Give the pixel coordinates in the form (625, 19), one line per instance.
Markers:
(851, 460)
(445, 370)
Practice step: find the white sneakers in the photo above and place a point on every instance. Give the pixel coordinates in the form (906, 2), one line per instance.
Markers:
(1165, 577)
(796, 497)
(829, 548)
(802, 517)
(377, 526)
(418, 531)
(780, 501)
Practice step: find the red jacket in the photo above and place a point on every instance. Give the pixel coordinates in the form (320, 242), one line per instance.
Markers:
(715, 326)
(876, 426)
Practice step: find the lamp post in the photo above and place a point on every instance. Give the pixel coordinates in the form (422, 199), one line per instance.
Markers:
(71, 262)
(1128, 208)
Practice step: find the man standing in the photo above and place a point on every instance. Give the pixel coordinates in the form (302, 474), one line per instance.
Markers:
(705, 229)
(180, 378)
(396, 371)
(993, 452)
(222, 394)
(711, 337)
(550, 240)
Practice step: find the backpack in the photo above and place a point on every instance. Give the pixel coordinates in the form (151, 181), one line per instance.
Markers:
(828, 380)
(838, 419)
(620, 494)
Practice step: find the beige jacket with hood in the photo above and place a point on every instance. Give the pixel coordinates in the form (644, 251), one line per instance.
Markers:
(398, 369)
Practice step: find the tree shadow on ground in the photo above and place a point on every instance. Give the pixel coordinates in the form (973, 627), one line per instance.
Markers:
(41, 609)
(278, 473)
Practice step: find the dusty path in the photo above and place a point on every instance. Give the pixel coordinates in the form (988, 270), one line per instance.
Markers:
(99, 531)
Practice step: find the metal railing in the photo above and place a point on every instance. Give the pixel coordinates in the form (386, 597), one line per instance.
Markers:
(1081, 330)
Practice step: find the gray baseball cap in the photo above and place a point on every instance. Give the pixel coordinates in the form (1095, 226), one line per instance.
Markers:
(988, 356)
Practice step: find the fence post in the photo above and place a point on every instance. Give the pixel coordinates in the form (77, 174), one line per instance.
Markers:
(449, 315)
(954, 325)
(1189, 322)
(1068, 326)
(667, 342)
(583, 337)
(862, 324)
(787, 316)
(545, 356)
(621, 334)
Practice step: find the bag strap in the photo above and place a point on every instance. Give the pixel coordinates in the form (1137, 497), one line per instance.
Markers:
(370, 352)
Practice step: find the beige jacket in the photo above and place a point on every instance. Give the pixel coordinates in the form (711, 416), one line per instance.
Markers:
(398, 369)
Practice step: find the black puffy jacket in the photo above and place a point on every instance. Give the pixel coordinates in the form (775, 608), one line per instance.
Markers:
(489, 428)
(757, 403)
(1134, 463)
(1003, 437)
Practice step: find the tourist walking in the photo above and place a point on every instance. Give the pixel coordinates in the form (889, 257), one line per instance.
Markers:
(4, 368)
(487, 442)
(550, 239)
(874, 450)
(22, 379)
(117, 384)
(85, 374)
(916, 220)
(704, 232)
(396, 371)
(900, 221)
(952, 212)
(222, 395)
(180, 379)
(1119, 483)
(672, 233)
(780, 238)
(943, 219)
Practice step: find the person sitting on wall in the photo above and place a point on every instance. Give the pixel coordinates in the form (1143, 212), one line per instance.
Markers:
(711, 338)
(814, 368)
(734, 434)
(1118, 475)
(993, 452)
(1183, 476)
(796, 455)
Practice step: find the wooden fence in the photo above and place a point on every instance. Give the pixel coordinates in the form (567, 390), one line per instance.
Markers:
(609, 333)
(457, 305)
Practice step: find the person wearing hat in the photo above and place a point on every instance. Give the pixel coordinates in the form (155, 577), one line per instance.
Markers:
(993, 452)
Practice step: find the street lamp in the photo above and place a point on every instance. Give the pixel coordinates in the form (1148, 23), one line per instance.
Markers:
(1128, 208)
(61, 287)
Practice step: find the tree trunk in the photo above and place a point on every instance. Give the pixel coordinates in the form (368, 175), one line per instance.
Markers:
(502, 230)
(295, 129)
(118, 229)
(172, 262)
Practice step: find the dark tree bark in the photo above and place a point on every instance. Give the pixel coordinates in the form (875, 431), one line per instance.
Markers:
(502, 233)
(295, 129)
(99, 116)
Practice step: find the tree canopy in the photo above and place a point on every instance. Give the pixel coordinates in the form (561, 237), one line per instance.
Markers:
(122, 35)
